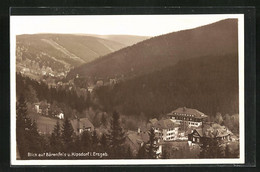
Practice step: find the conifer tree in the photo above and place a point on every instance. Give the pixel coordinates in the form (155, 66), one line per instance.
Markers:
(142, 154)
(55, 139)
(165, 153)
(86, 141)
(129, 154)
(27, 136)
(152, 147)
(116, 137)
(35, 139)
(104, 142)
(215, 148)
(67, 135)
(227, 152)
(95, 140)
(22, 126)
(210, 148)
(103, 120)
(203, 148)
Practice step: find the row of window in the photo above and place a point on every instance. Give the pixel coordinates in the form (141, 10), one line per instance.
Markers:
(184, 114)
(193, 123)
(186, 118)
(169, 134)
(170, 129)
(196, 139)
(169, 138)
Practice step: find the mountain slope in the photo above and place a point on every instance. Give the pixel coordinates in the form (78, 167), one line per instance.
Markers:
(126, 40)
(60, 52)
(209, 84)
(219, 38)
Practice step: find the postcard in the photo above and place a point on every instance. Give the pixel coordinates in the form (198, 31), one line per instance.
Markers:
(127, 89)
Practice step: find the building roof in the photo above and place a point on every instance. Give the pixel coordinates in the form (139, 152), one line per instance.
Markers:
(165, 124)
(188, 111)
(137, 138)
(213, 130)
(81, 123)
(153, 121)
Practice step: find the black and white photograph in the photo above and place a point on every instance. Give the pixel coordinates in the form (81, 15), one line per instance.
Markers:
(127, 89)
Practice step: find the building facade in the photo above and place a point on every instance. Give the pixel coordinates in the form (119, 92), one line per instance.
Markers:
(81, 125)
(209, 131)
(191, 117)
(166, 129)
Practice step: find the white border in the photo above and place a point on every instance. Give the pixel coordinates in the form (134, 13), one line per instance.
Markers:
(240, 160)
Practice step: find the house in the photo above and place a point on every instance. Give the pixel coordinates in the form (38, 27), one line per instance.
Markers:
(37, 108)
(90, 89)
(112, 81)
(60, 115)
(191, 117)
(81, 124)
(100, 83)
(42, 108)
(153, 121)
(166, 129)
(135, 140)
(209, 131)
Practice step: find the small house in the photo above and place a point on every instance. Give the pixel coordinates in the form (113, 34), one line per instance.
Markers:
(60, 115)
(81, 124)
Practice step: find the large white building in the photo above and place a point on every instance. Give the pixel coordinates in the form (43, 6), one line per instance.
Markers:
(192, 117)
(166, 129)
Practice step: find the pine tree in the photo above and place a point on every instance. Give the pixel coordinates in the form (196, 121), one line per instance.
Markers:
(116, 137)
(22, 127)
(210, 148)
(104, 143)
(55, 139)
(129, 154)
(103, 120)
(27, 136)
(227, 152)
(142, 154)
(35, 139)
(152, 147)
(86, 141)
(67, 135)
(203, 148)
(95, 141)
(165, 152)
(215, 148)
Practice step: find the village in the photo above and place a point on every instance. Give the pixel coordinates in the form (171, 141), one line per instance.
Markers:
(180, 132)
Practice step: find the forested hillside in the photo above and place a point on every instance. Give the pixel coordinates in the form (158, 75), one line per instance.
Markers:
(215, 39)
(66, 99)
(60, 51)
(209, 84)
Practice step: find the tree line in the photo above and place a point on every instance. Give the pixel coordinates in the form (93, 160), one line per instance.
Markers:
(113, 142)
(209, 84)
(64, 139)
(35, 91)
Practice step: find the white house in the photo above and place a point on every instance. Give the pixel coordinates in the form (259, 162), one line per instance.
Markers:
(166, 129)
(60, 115)
(192, 117)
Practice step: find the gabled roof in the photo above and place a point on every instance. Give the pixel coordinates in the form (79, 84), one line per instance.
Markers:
(153, 121)
(165, 124)
(137, 138)
(81, 123)
(189, 111)
(211, 130)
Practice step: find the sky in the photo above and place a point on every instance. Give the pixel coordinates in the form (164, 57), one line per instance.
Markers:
(143, 25)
